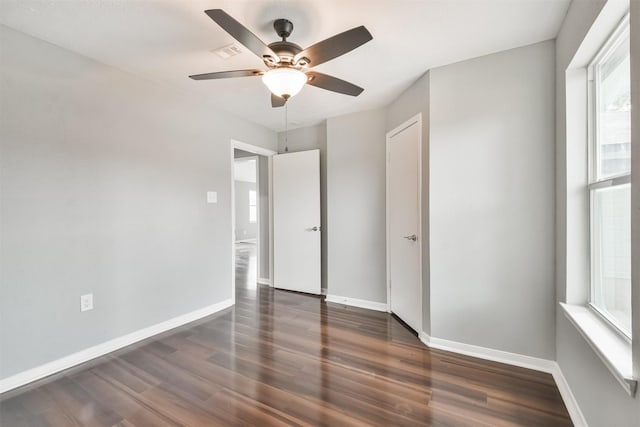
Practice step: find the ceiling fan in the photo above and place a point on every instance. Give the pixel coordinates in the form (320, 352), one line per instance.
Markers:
(288, 64)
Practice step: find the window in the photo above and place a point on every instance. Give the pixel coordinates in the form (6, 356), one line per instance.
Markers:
(253, 212)
(610, 180)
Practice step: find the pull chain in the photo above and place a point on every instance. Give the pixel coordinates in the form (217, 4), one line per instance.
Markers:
(286, 128)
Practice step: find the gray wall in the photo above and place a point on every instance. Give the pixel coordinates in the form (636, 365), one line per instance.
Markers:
(304, 139)
(104, 179)
(601, 398)
(244, 229)
(356, 205)
(492, 201)
(415, 100)
(239, 154)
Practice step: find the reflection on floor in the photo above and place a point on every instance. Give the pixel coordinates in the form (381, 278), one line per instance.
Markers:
(281, 358)
(287, 359)
(246, 265)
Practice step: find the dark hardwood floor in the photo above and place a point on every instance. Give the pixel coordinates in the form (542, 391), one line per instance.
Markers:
(281, 358)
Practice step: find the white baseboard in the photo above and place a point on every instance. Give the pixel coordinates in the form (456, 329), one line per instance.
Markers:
(371, 305)
(514, 359)
(535, 363)
(569, 399)
(50, 368)
(264, 281)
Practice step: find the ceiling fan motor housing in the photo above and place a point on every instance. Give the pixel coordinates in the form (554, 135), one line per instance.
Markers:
(283, 27)
(285, 50)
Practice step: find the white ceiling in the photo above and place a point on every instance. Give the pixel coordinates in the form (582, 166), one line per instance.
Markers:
(167, 40)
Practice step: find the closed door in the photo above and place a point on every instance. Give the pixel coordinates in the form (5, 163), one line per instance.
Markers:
(403, 224)
(296, 221)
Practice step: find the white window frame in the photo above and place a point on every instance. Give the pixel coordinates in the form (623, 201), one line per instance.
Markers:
(595, 183)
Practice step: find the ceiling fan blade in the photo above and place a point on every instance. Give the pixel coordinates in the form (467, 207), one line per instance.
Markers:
(333, 84)
(335, 46)
(241, 33)
(276, 101)
(227, 74)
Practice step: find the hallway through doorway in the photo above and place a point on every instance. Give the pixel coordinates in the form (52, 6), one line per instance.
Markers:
(246, 265)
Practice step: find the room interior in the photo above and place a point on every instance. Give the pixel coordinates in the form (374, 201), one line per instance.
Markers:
(117, 182)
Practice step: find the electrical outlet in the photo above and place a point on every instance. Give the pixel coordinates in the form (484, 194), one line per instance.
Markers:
(86, 302)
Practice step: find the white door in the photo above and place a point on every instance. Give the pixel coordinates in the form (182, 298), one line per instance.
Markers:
(296, 221)
(403, 222)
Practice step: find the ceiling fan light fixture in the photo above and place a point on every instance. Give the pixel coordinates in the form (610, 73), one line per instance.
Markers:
(284, 82)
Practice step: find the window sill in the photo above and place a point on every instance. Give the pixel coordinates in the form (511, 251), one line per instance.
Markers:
(611, 348)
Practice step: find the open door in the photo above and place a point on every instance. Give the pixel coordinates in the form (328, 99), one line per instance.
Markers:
(296, 221)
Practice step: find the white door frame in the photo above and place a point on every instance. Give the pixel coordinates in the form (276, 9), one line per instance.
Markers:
(261, 152)
(413, 121)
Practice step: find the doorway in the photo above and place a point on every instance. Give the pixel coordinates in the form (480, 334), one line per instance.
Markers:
(404, 218)
(248, 224)
(251, 231)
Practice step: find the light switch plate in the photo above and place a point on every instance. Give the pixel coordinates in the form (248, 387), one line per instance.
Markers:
(86, 302)
(212, 197)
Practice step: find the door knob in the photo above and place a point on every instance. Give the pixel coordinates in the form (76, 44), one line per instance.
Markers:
(315, 228)
(413, 237)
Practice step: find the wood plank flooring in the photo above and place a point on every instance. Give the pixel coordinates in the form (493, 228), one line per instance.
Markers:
(280, 359)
